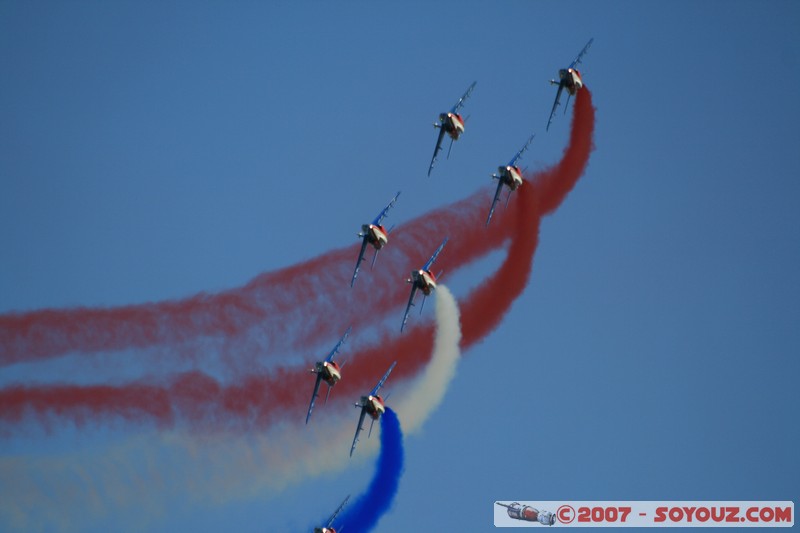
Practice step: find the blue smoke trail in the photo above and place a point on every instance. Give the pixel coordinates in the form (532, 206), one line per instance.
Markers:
(362, 515)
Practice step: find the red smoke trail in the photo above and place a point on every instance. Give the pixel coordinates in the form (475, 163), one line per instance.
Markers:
(315, 294)
(256, 400)
(541, 195)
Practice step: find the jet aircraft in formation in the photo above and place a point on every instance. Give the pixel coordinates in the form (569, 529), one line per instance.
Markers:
(329, 371)
(451, 123)
(424, 280)
(372, 405)
(374, 234)
(328, 528)
(510, 176)
(570, 79)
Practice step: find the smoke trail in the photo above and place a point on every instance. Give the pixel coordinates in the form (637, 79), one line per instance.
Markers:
(255, 400)
(431, 385)
(267, 310)
(364, 514)
(268, 305)
(540, 195)
(233, 465)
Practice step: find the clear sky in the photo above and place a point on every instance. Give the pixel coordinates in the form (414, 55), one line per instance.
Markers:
(154, 151)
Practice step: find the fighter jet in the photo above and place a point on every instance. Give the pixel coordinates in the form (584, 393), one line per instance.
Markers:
(372, 405)
(374, 234)
(424, 280)
(328, 528)
(450, 123)
(509, 175)
(570, 79)
(329, 371)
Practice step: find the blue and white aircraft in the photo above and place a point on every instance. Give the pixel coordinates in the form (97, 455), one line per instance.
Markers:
(570, 79)
(424, 280)
(509, 175)
(329, 526)
(451, 123)
(372, 405)
(328, 370)
(374, 234)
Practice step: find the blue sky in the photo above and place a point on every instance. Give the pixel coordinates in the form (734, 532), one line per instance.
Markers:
(150, 152)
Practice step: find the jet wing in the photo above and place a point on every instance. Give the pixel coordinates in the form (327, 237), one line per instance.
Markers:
(461, 100)
(430, 262)
(358, 263)
(516, 157)
(555, 104)
(408, 307)
(383, 213)
(358, 429)
(494, 202)
(334, 515)
(314, 397)
(578, 59)
(338, 345)
(383, 380)
(437, 149)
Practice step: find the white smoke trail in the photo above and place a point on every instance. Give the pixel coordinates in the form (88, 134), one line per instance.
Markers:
(209, 469)
(428, 390)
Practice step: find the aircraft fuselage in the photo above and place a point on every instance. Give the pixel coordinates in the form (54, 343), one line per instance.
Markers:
(329, 371)
(572, 79)
(374, 406)
(453, 124)
(511, 176)
(424, 280)
(376, 235)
